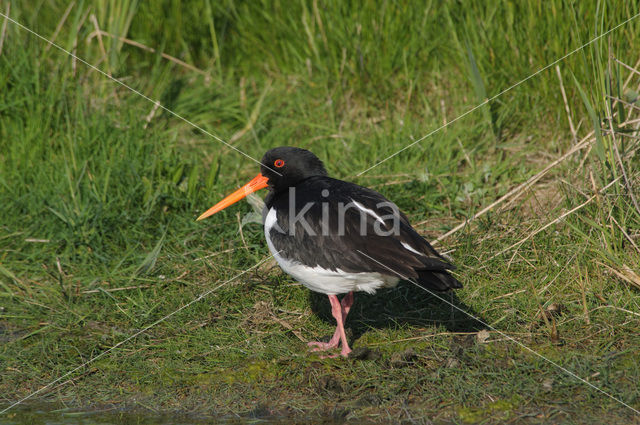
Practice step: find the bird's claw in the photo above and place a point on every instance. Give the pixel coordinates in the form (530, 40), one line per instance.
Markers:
(321, 346)
(343, 353)
(324, 346)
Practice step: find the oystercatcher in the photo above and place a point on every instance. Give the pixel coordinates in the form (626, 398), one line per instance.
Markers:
(336, 237)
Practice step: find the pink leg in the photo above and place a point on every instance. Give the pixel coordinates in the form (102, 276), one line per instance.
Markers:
(339, 310)
(346, 304)
(340, 314)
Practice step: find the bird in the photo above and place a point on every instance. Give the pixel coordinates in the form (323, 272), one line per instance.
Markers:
(336, 237)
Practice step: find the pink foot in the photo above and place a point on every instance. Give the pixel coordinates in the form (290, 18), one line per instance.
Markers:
(343, 353)
(321, 346)
(339, 311)
(324, 346)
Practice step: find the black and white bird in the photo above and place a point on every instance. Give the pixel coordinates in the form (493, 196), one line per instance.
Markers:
(336, 237)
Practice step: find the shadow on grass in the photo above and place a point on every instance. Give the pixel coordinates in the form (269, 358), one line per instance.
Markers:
(405, 304)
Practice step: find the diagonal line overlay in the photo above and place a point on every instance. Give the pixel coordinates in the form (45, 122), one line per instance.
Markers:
(206, 293)
(500, 94)
(567, 371)
(155, 102)
(143, 330)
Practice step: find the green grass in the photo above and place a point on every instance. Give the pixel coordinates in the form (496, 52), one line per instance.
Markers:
(99, 195)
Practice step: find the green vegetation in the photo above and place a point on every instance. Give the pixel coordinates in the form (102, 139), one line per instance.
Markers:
(99, 191)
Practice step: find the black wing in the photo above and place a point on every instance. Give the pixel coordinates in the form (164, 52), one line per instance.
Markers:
(339, 225)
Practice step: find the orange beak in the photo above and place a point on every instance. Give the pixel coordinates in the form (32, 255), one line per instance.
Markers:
(258, 182)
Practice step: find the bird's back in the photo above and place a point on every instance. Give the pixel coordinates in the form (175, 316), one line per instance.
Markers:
(334, 226)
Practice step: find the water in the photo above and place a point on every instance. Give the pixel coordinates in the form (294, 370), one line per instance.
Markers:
(50, 415)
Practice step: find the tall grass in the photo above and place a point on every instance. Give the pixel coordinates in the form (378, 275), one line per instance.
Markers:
(99, 190)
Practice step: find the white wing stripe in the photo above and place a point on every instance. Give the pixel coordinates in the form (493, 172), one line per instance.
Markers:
(368, 211)
(410, 248)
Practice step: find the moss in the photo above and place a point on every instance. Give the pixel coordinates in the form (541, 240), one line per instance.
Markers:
(498, 409)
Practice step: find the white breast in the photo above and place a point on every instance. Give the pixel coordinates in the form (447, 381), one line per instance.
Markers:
(323, 280)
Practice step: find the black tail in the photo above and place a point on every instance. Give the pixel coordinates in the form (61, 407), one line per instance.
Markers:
(437, 280)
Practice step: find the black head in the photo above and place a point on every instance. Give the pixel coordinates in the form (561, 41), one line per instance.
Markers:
(287, 166)
(281, 169)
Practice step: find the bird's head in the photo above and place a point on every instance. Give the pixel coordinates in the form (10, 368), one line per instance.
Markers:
(287, 166)
(280, 168)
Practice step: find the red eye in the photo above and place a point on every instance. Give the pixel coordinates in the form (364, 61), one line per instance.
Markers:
(279, 163)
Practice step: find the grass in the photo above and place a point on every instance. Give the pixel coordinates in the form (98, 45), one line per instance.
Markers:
(99, 191)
